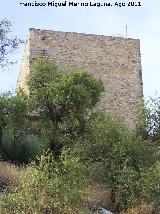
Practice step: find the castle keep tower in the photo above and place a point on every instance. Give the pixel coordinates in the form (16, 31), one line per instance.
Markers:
(115, 60)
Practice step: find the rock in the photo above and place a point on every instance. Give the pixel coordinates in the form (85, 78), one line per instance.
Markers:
(95, 208)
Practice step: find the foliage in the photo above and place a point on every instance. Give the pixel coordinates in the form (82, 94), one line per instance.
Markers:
(18, 141)
(64, 101)
(86, 145)
(8, 44)
(13, 109)
(59, 95)
(149, 117)
(24, 148)
(12, 112)
(153, 120)
(49, 187)
(59, 104)
(117, 158)
(150, 183)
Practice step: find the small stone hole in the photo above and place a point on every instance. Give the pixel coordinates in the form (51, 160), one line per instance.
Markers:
(43, 38)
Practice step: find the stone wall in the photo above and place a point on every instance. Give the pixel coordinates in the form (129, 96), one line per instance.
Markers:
(115, 60)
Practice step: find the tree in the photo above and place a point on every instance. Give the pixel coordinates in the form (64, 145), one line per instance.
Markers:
(116, 158)
(13, 111)
(149, 121)
(64, 101)
(8, 44)
(20, 139)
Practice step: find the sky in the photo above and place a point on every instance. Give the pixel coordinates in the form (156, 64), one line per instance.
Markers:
(143, 22)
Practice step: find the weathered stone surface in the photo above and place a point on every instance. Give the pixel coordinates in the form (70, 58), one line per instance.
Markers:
(115, 60)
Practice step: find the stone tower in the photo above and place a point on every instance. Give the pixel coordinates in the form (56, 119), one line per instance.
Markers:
(115, 60)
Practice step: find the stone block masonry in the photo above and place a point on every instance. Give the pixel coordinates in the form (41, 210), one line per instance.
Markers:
(115, 60)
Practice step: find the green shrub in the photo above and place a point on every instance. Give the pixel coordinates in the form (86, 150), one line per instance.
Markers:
(117, 158)
(48, 187)
(150, 183)
(23, 148)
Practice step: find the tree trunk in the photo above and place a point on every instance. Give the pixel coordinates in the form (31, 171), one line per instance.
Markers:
(1, 141)
(56, 147)
(113, 196)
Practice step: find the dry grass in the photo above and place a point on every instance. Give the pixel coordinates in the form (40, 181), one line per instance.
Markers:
(10, 175)
(141, 209)
(98, 194)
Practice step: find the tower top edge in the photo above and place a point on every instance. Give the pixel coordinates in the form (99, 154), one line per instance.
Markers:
(43, 31)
